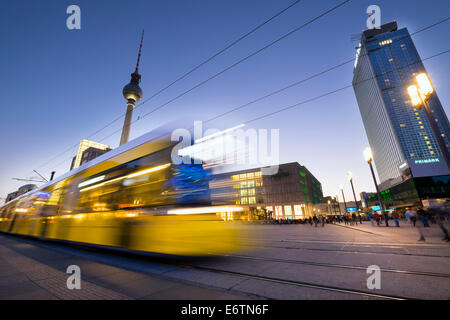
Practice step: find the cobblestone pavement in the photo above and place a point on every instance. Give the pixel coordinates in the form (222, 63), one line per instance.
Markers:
(280, 262)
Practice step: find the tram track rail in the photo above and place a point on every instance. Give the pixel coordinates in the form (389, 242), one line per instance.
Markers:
(347, 251)
(342, 266)
(88, 248)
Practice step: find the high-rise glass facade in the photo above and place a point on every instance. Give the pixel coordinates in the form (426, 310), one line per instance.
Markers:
(399, 134)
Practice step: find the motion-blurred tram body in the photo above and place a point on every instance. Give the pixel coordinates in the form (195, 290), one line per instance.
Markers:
(133, 197)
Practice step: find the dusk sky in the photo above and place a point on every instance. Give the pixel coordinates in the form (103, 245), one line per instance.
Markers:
(59, 85)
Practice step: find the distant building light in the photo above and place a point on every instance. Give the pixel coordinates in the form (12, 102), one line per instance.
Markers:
(403, 165)
(384, 42)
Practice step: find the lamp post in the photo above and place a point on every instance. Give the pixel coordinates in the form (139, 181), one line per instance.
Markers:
(339, 205)
(420, 95)
(368, 156)
(329, 208)
(333, 201)
(343, 198)
(350, 178)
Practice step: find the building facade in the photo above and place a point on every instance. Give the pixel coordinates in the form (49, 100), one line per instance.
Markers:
(289, 194)
(88, 150)
(22, 190)
(399, 134)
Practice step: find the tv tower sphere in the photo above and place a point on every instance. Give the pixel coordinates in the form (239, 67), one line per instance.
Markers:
(132, 91)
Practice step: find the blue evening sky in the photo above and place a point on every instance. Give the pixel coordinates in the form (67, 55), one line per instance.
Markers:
(59, 86)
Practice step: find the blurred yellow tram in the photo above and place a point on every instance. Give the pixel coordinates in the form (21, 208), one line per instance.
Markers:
(133, 197)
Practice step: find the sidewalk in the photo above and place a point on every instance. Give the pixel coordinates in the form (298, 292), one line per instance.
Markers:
(406, 233)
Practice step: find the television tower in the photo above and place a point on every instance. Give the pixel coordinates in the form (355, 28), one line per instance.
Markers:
(133, 93)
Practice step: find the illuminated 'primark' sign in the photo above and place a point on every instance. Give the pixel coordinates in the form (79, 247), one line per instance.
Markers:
(426, 161)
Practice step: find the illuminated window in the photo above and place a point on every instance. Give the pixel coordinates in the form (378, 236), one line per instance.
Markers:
(251, 192)
(431, 152)
(238, 202)
(421, 127)
(258, 183)
(418, 118)
(426, 138)
(242, 176)
(235, 177)
(244, 201)
(258, 174)
(244, 184)
(288, 211)
(251, 184)
(384, 42)
(428, 142)
(430, 147)
(298, 211)
(417, 113)
(251, 200)
(243, 192)
(402, 125)
(420, 122)
(250, 175)
(278, 212)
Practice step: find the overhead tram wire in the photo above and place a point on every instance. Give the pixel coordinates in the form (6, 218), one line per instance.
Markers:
(236, 63)
(289, 86)
(229, 67)
(327, 93)
(314, 75)
(340, 89)
(282, 89)
(202, 63)
(253, 101)
(317, 97)
(232, 44)
(247, 57)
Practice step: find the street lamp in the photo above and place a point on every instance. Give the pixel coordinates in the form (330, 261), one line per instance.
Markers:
(329, 208)
(333, 201)
(339, 205)
(368, 156)
(350, 178)
(420, 95)
(343, 197)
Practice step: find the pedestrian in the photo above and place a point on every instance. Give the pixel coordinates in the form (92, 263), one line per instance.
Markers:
(377, 217)
(396, 217)
(411, 214)
(371, 218)
(315, 221)
(423, 216)
(386, 218)
(440, 219)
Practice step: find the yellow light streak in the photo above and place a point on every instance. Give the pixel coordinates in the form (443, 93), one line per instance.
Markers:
(205, 210)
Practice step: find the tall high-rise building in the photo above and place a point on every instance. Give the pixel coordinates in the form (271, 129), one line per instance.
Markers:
(399, 134)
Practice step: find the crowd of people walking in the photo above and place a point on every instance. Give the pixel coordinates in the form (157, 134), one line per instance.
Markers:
(419, 218)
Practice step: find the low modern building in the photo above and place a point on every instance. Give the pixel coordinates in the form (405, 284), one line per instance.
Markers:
(22, 190)
(88, 150)
(289, 194)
